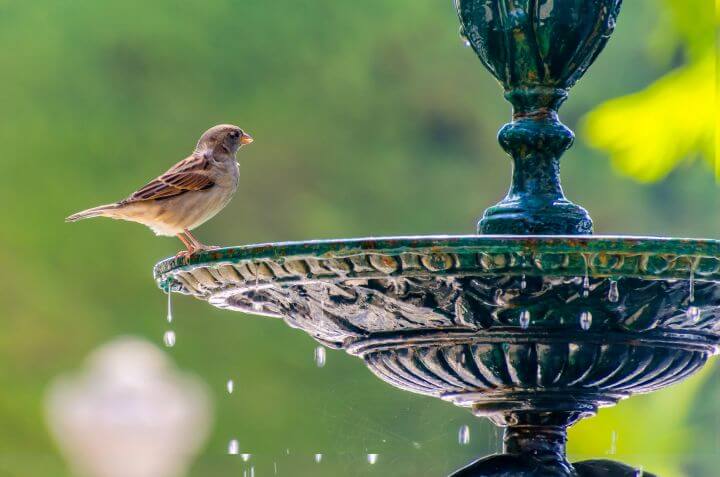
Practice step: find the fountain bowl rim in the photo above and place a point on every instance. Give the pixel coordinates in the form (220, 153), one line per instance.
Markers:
(339, 248)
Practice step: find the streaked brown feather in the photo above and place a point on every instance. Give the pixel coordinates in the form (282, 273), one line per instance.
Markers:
(185, 176)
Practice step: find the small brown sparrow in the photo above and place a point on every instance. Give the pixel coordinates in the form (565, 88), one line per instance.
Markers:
(188, 194)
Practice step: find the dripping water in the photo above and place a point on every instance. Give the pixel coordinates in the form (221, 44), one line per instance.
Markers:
(230, 386)
(169, 338)
(464, 435)
(524, 319)
(586, 278)
(245, 457)
(372, 458)
(585, 320)
(318, 458)
(613, 293)
(693, 312)
(464, 39)
(691, 298)
(233, 447)
(613, 443)
(169, 307)
(319, 356)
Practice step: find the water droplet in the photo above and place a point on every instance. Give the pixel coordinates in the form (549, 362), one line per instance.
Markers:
(523, 282)
(613, 443)
(693, 313)
(233, 447)
(275, 467)
(318, 458)
(169, 338)
(524, 319)
(320, 356)
(691, 298)
(613, 293)
(585, 320)
(230, 386)
(463, 38)
(464, 435)
(245, 457)
(169, 308)
(372, 458)
(287, 451)
(416, 445)
(586, 278)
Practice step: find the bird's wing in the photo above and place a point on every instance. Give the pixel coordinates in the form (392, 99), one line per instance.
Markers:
(188, 175)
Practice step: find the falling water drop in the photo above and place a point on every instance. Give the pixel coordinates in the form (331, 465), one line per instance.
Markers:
(693, 313)
(245, 457)
(613, 293)
(169, 308)
(169, 338)
(691, 298)
(320, 356)
(252, 471)
(230, 386)
(318, 458)
(523, 282)
(372, 458)
(464, 435)
(524, 319)
(275, 467)
(586, 278)
(233, 447)
(585, 320)
(464, 38)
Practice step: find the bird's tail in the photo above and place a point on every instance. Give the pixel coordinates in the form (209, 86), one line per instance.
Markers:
(99, 211)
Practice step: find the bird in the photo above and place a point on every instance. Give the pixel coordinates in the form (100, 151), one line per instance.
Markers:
(190, 193)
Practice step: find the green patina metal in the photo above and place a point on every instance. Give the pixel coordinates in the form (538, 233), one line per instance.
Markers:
(537, 49)
(536, 324)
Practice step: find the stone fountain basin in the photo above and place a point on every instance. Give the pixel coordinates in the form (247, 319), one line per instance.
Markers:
(496, 323)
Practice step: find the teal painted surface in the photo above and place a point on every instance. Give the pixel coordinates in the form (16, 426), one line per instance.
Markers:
(444, 316)
(537, 50)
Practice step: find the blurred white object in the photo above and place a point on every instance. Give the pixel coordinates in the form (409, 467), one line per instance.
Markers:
(129, 413)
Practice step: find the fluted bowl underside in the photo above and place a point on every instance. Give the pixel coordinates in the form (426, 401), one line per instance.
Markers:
(492, 322)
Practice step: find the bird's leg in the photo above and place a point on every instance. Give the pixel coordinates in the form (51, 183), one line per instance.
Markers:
(191, 248)
(196, 243)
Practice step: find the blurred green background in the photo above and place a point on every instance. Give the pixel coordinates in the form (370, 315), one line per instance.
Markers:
(370, 118)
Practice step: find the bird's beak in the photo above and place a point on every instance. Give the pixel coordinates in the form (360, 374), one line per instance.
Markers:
(246, 139)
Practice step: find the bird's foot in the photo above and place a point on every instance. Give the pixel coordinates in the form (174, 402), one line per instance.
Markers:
(185, 254)
(203, 248)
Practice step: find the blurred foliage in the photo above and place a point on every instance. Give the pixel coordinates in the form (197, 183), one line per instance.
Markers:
(370, 118)
(674, 119)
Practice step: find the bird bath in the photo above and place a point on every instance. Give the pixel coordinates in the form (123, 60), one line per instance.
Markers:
(536, 323)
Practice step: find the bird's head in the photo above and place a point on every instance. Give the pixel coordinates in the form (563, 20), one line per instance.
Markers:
(224, 139)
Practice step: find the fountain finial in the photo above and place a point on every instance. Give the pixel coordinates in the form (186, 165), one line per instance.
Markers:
(537, 49)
